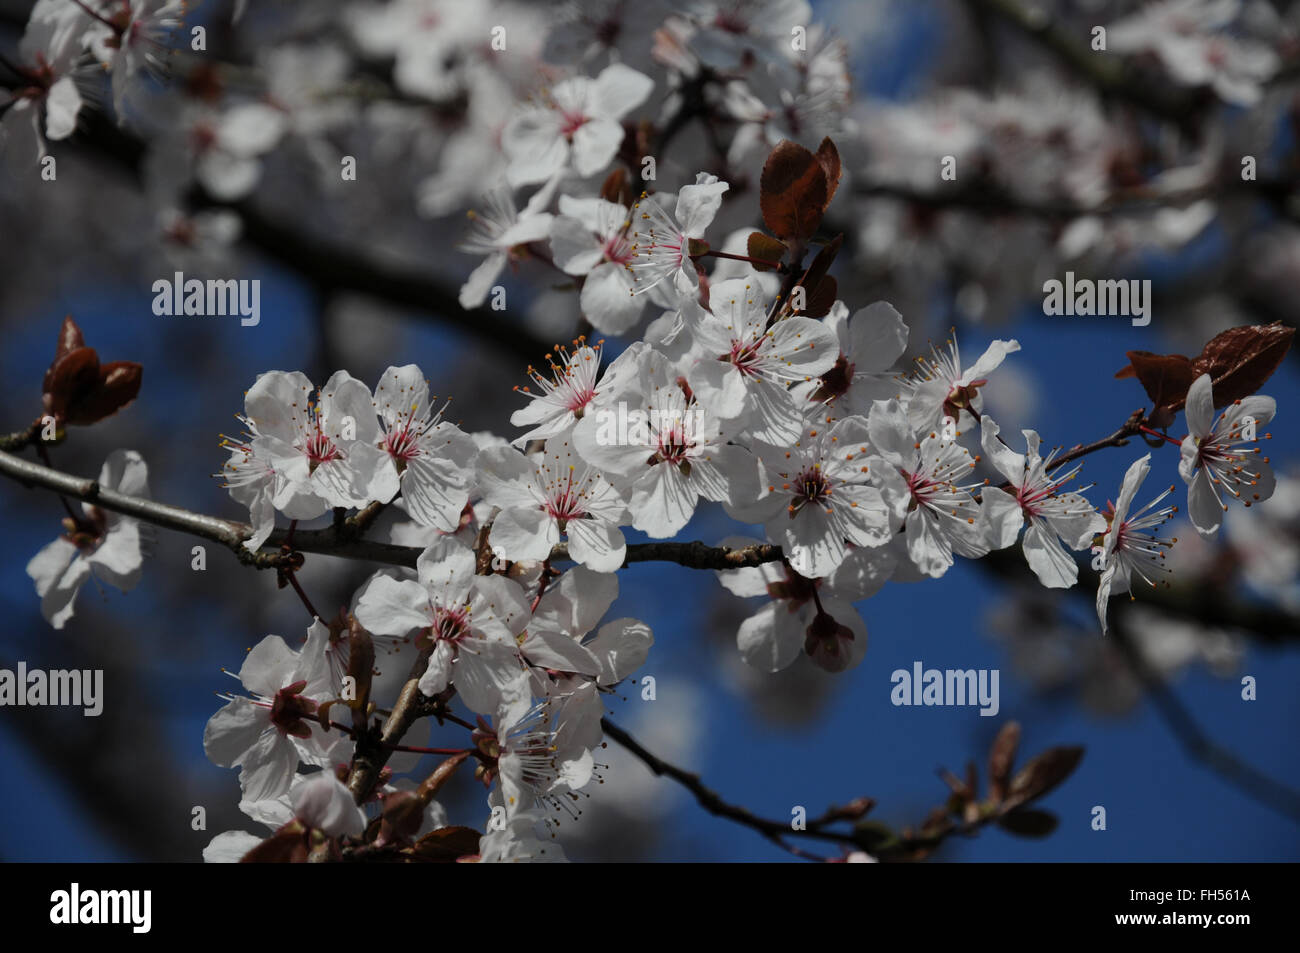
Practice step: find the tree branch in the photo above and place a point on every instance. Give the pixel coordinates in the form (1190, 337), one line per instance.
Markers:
(997, 202)
(372, 752)
(224, 532)
(1110, 75)
(712, 802)
(907, 845)
(693, 555)
(341, 540)
(320, 260)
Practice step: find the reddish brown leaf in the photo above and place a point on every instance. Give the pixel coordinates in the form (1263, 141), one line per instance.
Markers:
(829, 157)
(77, 389)
(822, 261)
(1028, 822)
(1240, 360)
(819, 302)
(430, 786)
(792, 192)
(288, 845)
(69, 379)
(70, 338)
(1001, 757)
(617, 188)
(403, 814)
(118, 385)
(447, 844)
(1043, 773)
(766, 248)
(1165, 378)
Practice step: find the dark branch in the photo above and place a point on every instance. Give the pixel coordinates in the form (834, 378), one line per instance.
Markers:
(342, 539)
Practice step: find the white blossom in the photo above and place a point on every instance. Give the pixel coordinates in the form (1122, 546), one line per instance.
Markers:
(99, 544)
(578, 123)
(1057, 520)
(1128, 548)
(1217, 457)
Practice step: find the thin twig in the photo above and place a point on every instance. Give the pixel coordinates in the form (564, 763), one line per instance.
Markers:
(903, 846)
(712, 802)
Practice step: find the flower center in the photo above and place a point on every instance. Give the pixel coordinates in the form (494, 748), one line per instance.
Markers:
(730, 21)
(923, 488)
(617, 249)
(564, 506)
(673, 445)
(403, 443)
(449, 625)
(571, 122)
(810, 486)
(745, 356)
(289, 708)
(836, 381)
(319, 448)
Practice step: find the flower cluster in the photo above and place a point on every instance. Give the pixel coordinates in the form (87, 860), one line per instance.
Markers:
(738, 376)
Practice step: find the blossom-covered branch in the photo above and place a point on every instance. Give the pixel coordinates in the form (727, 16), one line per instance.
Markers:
(668, 178)
(340, 540)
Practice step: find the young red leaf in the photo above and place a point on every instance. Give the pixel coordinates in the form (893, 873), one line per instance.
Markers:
(822, 262)
(118, 385)
(69, 380)
(1240, 360)
(766, 248)
(70, 338)
(829, 157)
(792, 192)
(1002, 757)
(288, 845)
(431, 785)
(447, 844)
(1043, 773)
(821, 298)
(1028, 822)
(1165, 377)
(402, 816)
(617, 188)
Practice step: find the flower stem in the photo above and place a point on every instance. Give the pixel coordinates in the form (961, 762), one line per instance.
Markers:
(1163, 436)
(545, 581)
(757, 262)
